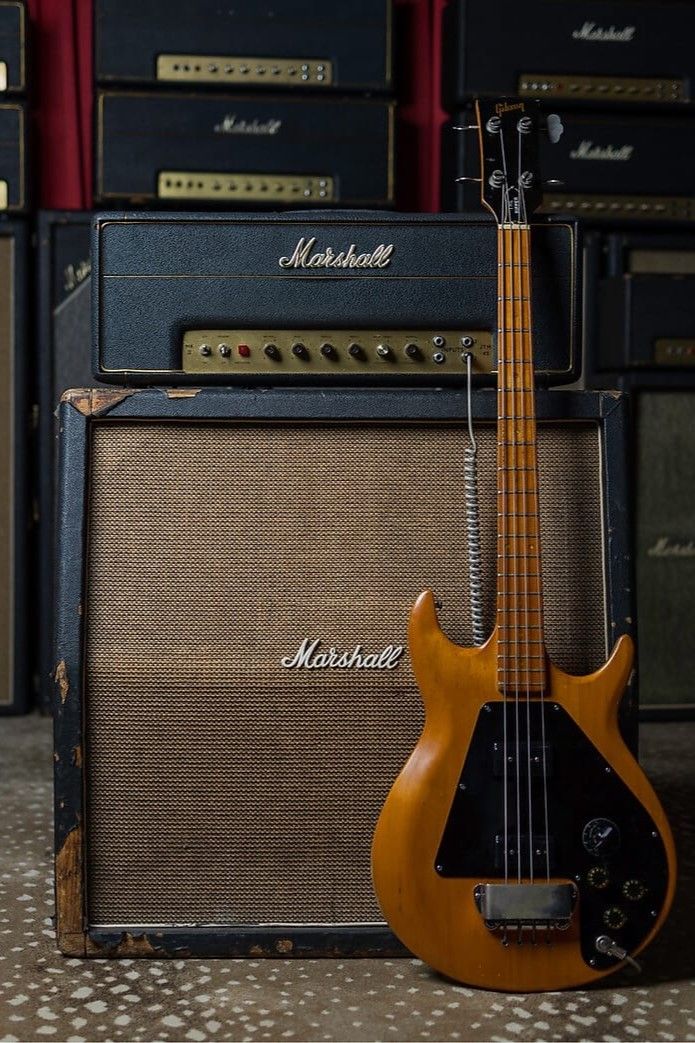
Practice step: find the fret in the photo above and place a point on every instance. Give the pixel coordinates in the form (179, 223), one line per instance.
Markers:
(502, 442)
(511, 329)
(519, 575)
(518, 596)
(533, 556)
(526, 628)
(524, 657)
(515, 514)
(512, 264)
(513, 298)
(516, 467)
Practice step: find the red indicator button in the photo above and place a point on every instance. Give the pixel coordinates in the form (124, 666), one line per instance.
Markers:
(244, 350)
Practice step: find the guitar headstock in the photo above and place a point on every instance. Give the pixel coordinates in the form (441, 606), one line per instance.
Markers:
(508, 133)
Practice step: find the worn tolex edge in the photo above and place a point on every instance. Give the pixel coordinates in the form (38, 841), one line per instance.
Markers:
(95, 401)
(69, 895)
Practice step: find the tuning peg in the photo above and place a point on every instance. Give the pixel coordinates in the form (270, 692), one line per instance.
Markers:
(469, 126)
(554, 127)
(478, 179)
(552, 182)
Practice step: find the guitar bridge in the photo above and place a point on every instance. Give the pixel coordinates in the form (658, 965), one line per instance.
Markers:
(533, 906)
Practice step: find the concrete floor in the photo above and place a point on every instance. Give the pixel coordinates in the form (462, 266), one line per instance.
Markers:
(45, 996)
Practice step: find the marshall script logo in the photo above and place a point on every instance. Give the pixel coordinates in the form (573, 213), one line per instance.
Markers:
(304, 256)
(75, 274)
(308, 657)
(587, 150)
(666, 548)
(592, 33)
(232, 125)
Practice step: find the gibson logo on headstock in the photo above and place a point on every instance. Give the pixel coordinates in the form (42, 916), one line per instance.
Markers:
(505, 106)
(303, 256)
(592, 33)
(308, 657)
(587, 150)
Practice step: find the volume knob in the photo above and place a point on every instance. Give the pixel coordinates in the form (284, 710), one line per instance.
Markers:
(383, 351)
(615, 917)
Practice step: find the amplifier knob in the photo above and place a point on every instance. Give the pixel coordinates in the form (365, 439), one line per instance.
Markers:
(300, 351)
(614, 917)
(356, 351)
(413, 351)
(272, 351)
(383, 351)
(224, 350)
(634, 890)
(598, 877)
(328, 351)
(205, 350)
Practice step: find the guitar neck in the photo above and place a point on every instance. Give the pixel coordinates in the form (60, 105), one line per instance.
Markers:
(521, 653)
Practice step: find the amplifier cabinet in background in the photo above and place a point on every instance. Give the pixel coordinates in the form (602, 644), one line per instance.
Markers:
(208, 540)
(612, 166)
(595, 52)
(64, 342)
(13, 47)
(665, 548)
(13, 157)
(284, 298)
(639, 302)
(15, 679)
(293, 44)
(227, 150)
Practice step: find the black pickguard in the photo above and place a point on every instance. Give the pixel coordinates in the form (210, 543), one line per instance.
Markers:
(581, 787)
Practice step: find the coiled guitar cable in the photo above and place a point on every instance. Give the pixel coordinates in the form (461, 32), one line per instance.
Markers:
(470, 480)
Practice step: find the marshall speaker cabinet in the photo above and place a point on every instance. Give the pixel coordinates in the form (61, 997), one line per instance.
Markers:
(611, 166)
(13, 157)
(260, 150)
(64, 337)
(15, 682)
(596, 52)
(665, 548)
(236, 572)
(338, 298)
(13, 47)
(293, 44)
(640, 290)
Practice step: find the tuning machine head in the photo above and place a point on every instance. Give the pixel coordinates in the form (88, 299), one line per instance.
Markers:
(553, 127)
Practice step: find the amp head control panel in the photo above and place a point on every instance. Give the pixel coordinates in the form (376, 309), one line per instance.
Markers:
(377, 354)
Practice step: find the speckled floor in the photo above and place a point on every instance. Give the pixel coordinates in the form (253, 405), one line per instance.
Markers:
(44, 996)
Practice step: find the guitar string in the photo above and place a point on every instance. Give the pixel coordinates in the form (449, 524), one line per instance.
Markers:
(526, 295)
(538, 566)
(524, 323)
(509, 420)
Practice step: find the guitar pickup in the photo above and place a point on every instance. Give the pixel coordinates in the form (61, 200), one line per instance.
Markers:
(516, 844)
(541, 758)
(526, 905)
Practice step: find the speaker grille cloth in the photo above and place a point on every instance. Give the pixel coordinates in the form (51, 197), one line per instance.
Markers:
(223, 788)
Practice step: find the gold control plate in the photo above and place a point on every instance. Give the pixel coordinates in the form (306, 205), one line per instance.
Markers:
(3, 194)
(674, 351)
(255, 69)
(3, 76)
(255, 188)
(602, 88)
(677, 208)
(661, 262)
(274, 353)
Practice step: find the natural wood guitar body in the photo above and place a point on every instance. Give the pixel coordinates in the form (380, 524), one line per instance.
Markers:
(437, 917)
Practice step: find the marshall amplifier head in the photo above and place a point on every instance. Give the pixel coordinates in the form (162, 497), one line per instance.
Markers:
(64, 341)
(13, 47)
(236, 572)
(13, 157)
(610, 167)
(295, 44)
(257, 150)
(301, 298)
(15, 681)
(594, 52)
(639, 315)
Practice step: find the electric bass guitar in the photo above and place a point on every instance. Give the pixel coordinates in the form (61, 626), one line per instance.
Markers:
(521, 847)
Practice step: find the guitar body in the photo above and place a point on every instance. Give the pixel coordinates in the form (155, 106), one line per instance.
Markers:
(440, 830)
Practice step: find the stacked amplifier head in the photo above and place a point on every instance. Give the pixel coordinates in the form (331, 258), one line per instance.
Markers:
(14, 184)
(252, 104)
(621, 76)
